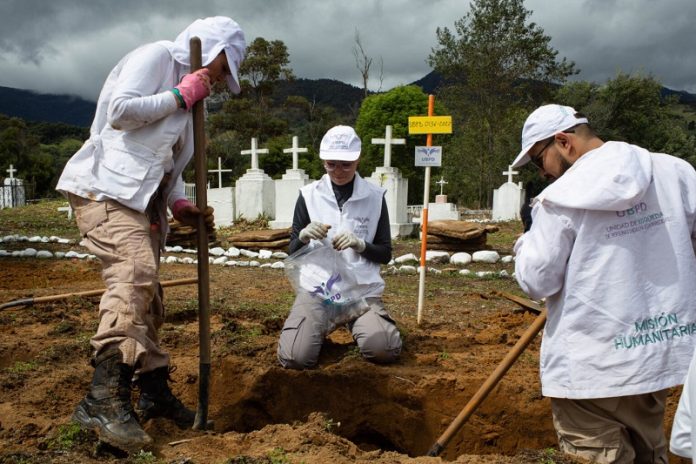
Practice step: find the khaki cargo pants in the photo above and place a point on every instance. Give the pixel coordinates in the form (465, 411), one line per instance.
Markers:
(306, 327)
(622, 429)
(130, 311)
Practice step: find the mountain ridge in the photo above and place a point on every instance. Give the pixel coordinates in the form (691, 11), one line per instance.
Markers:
(77, 111)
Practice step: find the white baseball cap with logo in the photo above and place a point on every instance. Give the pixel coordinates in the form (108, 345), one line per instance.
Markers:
(544, 122)
(340, 143)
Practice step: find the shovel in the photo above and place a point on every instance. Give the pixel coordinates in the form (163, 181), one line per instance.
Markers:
(201, 421)
(489, 384)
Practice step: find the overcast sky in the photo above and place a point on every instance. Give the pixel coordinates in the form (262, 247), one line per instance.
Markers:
(69, 46)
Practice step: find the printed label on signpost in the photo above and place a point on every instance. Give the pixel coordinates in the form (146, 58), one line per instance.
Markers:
(430, 124)
(429, 156)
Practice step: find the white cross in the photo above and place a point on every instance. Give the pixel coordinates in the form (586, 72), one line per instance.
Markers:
(295, 150)
(388, 141)
(12, 170)
(254, 152)
(219, 170)
(510, 173)
(442, 183)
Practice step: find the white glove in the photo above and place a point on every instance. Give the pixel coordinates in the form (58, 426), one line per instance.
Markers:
(314, 230)
(346, 240)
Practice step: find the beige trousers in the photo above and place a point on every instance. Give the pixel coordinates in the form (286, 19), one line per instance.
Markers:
(306, 327)
(131, 310)
(623, 429)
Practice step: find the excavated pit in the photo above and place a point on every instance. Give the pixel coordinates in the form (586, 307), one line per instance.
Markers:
(376, 408)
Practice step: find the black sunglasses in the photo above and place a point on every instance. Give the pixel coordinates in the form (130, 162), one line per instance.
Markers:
(538, 159)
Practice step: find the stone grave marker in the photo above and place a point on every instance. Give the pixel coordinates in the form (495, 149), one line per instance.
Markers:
(255, 191)
(288, 187)
(396, 185)
(508, 199)
(13, 193)
(221, 199)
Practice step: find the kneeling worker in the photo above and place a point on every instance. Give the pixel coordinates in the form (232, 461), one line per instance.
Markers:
(352, 213)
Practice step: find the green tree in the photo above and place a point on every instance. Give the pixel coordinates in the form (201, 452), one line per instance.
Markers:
(496, 65)
(251, 114)
(393, 108)
(265, 64)
(631, 108)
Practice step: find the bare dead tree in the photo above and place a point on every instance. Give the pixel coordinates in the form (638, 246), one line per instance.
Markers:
(362, 61)
(381, 73)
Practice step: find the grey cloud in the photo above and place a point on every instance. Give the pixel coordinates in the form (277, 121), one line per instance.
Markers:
(69, 46)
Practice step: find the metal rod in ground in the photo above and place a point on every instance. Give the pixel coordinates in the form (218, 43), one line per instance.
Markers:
(201, 168)
(424, 220)
(489, 384)
(47, 299)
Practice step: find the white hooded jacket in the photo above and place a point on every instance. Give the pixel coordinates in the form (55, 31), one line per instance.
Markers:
(139, 133)
(612, 249)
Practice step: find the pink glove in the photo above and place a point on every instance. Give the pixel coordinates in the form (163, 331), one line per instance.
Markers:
(178, 206)
(194, 87)
(187, 213)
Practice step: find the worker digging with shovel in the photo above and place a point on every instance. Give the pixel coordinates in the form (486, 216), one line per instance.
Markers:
(120, 184)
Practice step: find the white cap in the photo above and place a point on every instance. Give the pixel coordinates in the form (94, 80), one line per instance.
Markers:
(217, 33)
(340, 143)
(544, 122)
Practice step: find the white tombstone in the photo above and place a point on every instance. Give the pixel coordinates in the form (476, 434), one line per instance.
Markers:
(13, 193)
(508, 199)
(222, 200)
(442, 209)
(288, 188)
(254, 192)
(390, 178)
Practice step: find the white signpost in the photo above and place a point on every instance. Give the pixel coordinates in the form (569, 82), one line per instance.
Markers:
(429, 156)
(427, 125)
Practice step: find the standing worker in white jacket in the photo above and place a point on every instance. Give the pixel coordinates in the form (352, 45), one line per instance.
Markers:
(611, 248)
(353, 214)
(120, 184)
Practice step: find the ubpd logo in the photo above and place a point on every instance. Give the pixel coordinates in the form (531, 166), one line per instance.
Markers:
(640, 207)
(325, 292)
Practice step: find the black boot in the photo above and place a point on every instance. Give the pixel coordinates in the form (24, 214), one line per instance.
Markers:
(107, 408)
(157, 400)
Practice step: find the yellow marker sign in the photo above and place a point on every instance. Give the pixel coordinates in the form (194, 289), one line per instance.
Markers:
(430, 124)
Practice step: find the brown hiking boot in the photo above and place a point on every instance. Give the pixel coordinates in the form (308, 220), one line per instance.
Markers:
(157, 400)
(107, 408)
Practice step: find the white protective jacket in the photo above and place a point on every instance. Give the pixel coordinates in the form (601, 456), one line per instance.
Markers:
(683, 430)
(360, 215)
(137, 136)
(139, 133)
(612, 249)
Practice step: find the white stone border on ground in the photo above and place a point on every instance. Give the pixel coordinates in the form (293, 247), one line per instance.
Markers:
(405, 264)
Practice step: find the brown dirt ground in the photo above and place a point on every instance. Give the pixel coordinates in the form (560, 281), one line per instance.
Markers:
(346, 410)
